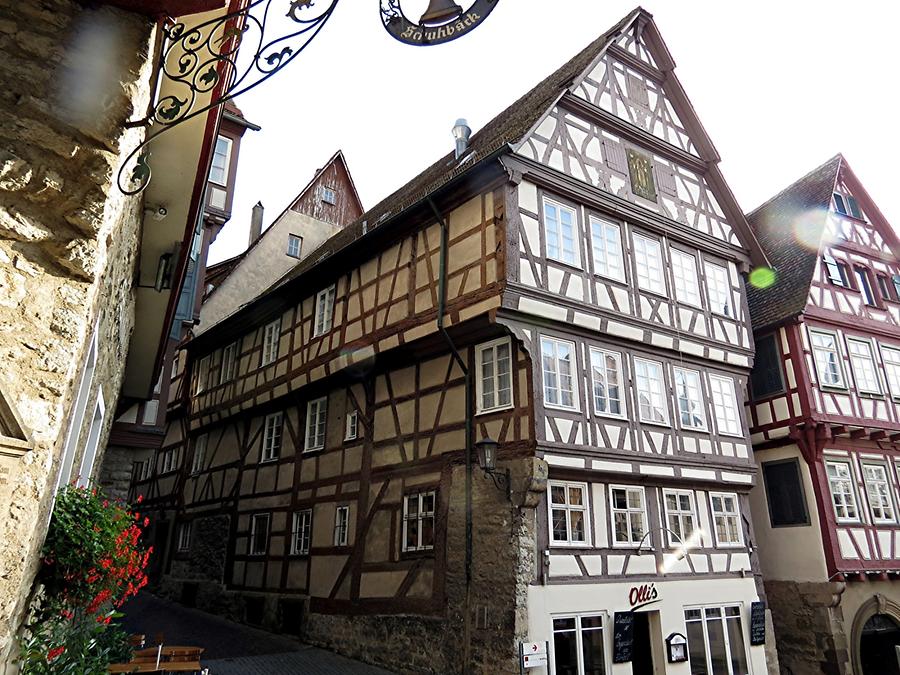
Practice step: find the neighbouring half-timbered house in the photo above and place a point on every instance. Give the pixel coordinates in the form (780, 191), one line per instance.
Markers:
(569, 285)
(825, 417)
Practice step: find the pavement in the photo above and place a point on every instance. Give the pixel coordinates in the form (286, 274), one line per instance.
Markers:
(233, 648)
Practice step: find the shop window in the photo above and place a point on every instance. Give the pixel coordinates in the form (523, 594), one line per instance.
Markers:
(578, 645)
(716, 640)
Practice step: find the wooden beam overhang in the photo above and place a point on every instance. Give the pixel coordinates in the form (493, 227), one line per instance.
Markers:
(635, 63)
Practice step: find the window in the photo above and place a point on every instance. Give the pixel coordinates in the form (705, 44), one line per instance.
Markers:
(146, 469)
(895, 279)
(725, 405)
(891, 358)
(202, 383)
(629, 515)
(719, 288)
(568, 513)
(324, 311)
(648, 259)
(271, 338)
(494, 383)
(271, 445)
(847, 206)
(837, 271)
(578, 645)
(681, 519)
(862, 361)
(184, 537)
(839, 204)
(864, 282)
(766, 374)
(715, 638)
(229, 363)
(341, 525)
(886, 289)
(301, 531)
(726, 518)
(843, 497)
(689, 396)
(168, 460)
(295, 243)
(684, 272)
(606, 378)
(606, 241)
(827, 358)
(785, 494)
(878, 489)
(650, 391)
(558, 363)
(221, 160)
(199, 460)
(329, 196)
(352, 428)
(559, 227)
(259, 533)
(418, 521)
(316, 419)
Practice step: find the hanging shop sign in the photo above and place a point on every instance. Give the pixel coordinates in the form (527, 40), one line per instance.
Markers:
(443, 21)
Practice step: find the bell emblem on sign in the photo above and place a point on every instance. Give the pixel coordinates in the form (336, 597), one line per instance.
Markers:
(440, 12)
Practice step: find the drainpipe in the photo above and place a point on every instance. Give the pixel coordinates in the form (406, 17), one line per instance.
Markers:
(442, 305)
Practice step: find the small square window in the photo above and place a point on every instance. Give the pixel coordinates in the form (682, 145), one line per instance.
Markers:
(329, 195)
(726, 519)
(568, 506)
(294, 245)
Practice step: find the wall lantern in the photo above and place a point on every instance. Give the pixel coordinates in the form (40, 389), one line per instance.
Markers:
(486, 449)
(676, 648)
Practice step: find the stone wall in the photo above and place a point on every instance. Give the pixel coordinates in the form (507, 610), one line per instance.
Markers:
(69, 77)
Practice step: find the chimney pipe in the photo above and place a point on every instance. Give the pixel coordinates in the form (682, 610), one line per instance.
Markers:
(461, 132)
(256, 222)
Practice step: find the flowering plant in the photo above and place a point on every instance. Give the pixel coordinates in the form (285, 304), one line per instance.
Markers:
(92, 562)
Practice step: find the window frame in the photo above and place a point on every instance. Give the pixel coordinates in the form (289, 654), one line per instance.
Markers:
(480, 350)
(663, 394)
(576, 233)
(867, 343)
(737, 515)
(230, 149)
(889, 492)
(271, 343)
(272, 437)
(722, 619)
(622, 399)
(652, 243)
(201, 384)
(301, 534)
(317, 402)
(863, 278)
(231, 350)
(573, 376)
(603, 224)
(421, 515)
(351, 425)
(807, 520)
(645, 541)
(680, 514)
(291, 239)
(579, 638)
(854, 497)
(584, 509)
(712, 288)
(891, 369)
(700, 403)
(732, 390)
(323, 314)
(185, 536)
(326, 189)
(198, 459)
(341, 525)
(253, 520)
(678, 296)
(842, 384)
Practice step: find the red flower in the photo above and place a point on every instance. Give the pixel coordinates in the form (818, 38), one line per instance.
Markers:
(140, 498)
(146, 522)
(53, 653)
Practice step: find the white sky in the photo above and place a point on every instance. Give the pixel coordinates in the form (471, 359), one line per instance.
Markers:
(779, 86)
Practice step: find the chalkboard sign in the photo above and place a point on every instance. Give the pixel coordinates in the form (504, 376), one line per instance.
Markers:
(758, 623)
(623, 636)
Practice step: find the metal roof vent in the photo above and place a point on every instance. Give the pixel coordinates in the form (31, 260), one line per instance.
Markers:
(461, 132)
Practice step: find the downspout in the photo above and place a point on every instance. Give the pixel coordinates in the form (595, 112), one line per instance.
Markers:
(442, 306)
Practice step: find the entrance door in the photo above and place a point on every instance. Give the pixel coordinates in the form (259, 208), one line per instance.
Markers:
(877, 646)
(642, 655)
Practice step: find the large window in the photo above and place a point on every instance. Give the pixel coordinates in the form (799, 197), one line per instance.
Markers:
(558, 364)
(648, 259)
(606, 240)
(689, 395)
(271, 444)
(629, 515)
(229, 363)
(843, 496)
(766, 374)
(578, 645)
(316, 422)
(324, 311)
(891, 358)
(728, 420)
(259, 534)
(878, 489)
(560, 229)
(199, 460)
(221, 161)
(606, 378)
(681, 517)
(785, 493)
(568, 513)
(684, 272)
(301, 532)
(341, 525)
(720, 298)
(650, 391)
(716, 640)
(271, 338)
(418, 521)
(494, 383)
(827, 358)
(862, 361)
(726, 518)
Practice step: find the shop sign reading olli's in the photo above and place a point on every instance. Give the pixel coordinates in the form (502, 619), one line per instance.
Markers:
(444, 20)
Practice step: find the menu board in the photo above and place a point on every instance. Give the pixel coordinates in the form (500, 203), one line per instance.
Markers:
(758, 623)
(623, 636)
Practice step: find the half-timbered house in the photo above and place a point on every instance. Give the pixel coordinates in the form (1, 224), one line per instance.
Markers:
(569, 285)
(825, 423)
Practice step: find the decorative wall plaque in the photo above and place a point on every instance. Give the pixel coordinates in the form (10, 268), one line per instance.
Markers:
(640, 168)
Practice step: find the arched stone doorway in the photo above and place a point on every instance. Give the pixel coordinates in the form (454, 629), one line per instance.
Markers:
(877, 645)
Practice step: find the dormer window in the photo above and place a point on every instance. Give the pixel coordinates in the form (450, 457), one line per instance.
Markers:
(221, 161)
(329, 195)
(847, 205)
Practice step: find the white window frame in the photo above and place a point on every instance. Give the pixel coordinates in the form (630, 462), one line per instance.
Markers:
(329, 195)
(420, 516)
(273, 430)
(851, 497)
(568, 507)
(579, 631)
(198, 461)
(660, 395)
(608, 256)
(724, 399)
(480, 351)
(819, 349)
(650, 264)
(341, 525)
(718, 288)
(319, 408)
(228, 367)
(254, 519)
(184, 536)
(301, 532)
(699, 403)
(735, 514)
(324, 314)
(292, 238)
(351, 430)
(722, 619)
(890, 356)
(887, 505)
(229, 146)
(271, 340)
(202, 382)
(681, 515)
(557, 373)
(169, 460)
(602, 355)
(685, 278)
(560, 237)
(864, 364)
(644, 540)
